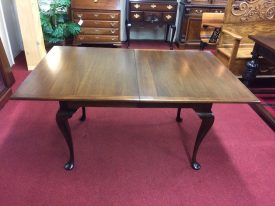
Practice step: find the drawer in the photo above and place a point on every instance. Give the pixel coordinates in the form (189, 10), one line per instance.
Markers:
(153, 17)
(96, 15)
(152, 6)
(104, 31)
(199, 11)
(169, 17)
(97, 38)
(136, 16)
(99, 23)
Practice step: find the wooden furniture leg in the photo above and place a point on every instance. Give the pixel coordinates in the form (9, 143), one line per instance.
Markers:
(178, 118)
(63, 114)
(173, 27)
(207, 117)
(167, 32)
(128, 27)
(252, 68)
(83, 117)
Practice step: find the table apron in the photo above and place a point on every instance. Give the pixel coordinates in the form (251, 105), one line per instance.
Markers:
(77, 104)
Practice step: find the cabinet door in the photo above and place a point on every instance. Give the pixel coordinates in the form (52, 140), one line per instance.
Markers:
(193, 29)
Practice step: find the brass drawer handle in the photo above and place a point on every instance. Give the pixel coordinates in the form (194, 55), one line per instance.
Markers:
(168, 16)
(81, 37)
(95, 1)
(169, 7)
(97, 37)
(136, 6)
(112, 16)
(136, 16)
(153, 6)
(96, 30)
(113, 39)
(96, 15)
(113, 31)
(79, 15)
(112, 24)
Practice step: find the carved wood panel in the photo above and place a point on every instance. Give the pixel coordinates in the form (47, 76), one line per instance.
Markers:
(250, 11)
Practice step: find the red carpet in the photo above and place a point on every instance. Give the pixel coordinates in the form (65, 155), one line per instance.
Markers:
(134, 157)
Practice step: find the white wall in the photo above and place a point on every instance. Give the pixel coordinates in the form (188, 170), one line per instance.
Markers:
(9, 30)
(4, 36)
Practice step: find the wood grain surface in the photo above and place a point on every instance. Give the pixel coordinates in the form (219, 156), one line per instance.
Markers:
(267, 41)
(102, 74)
(187, 76)
(99, 4)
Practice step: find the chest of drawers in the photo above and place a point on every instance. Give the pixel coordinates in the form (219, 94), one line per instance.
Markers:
(161, 12)
(99, 19)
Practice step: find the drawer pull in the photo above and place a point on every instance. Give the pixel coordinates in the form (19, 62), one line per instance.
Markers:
(96, 30)
(95, 1)
(112, 16)
(112, 31)
(96, 15)
(112, 24)
(169, 7)
(81, 37)
(79, 15)
(136, 16)
(168, 16)
(113, 39)
(153, 6)
(97, 37)
(136, 6)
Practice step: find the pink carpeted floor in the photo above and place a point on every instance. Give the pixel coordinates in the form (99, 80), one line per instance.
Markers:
(133, 157)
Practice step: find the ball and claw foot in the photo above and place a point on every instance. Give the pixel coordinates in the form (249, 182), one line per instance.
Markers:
(69, 166)
(179, 119)
(196, 165)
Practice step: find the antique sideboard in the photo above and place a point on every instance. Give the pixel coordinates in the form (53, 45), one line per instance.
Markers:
(191, 11)
(152, 12)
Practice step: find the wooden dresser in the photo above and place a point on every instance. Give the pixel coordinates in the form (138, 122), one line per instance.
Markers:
(191, 19)
(154, 12)
(99, 20)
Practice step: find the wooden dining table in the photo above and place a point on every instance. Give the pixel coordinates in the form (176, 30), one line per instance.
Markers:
(264, 48)
(79, 77)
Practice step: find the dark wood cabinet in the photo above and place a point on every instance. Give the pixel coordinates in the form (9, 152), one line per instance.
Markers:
(191, 19)
(6, 77)
(154, 12)
(100, 21)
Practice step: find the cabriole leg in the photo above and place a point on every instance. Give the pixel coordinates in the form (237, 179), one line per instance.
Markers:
(207, 118)
(173, 27)
(62, 116)
(83, 117)
(178, 118)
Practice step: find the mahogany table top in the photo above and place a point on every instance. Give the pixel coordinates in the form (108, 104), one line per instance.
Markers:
(128, 75)
(267, 41)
